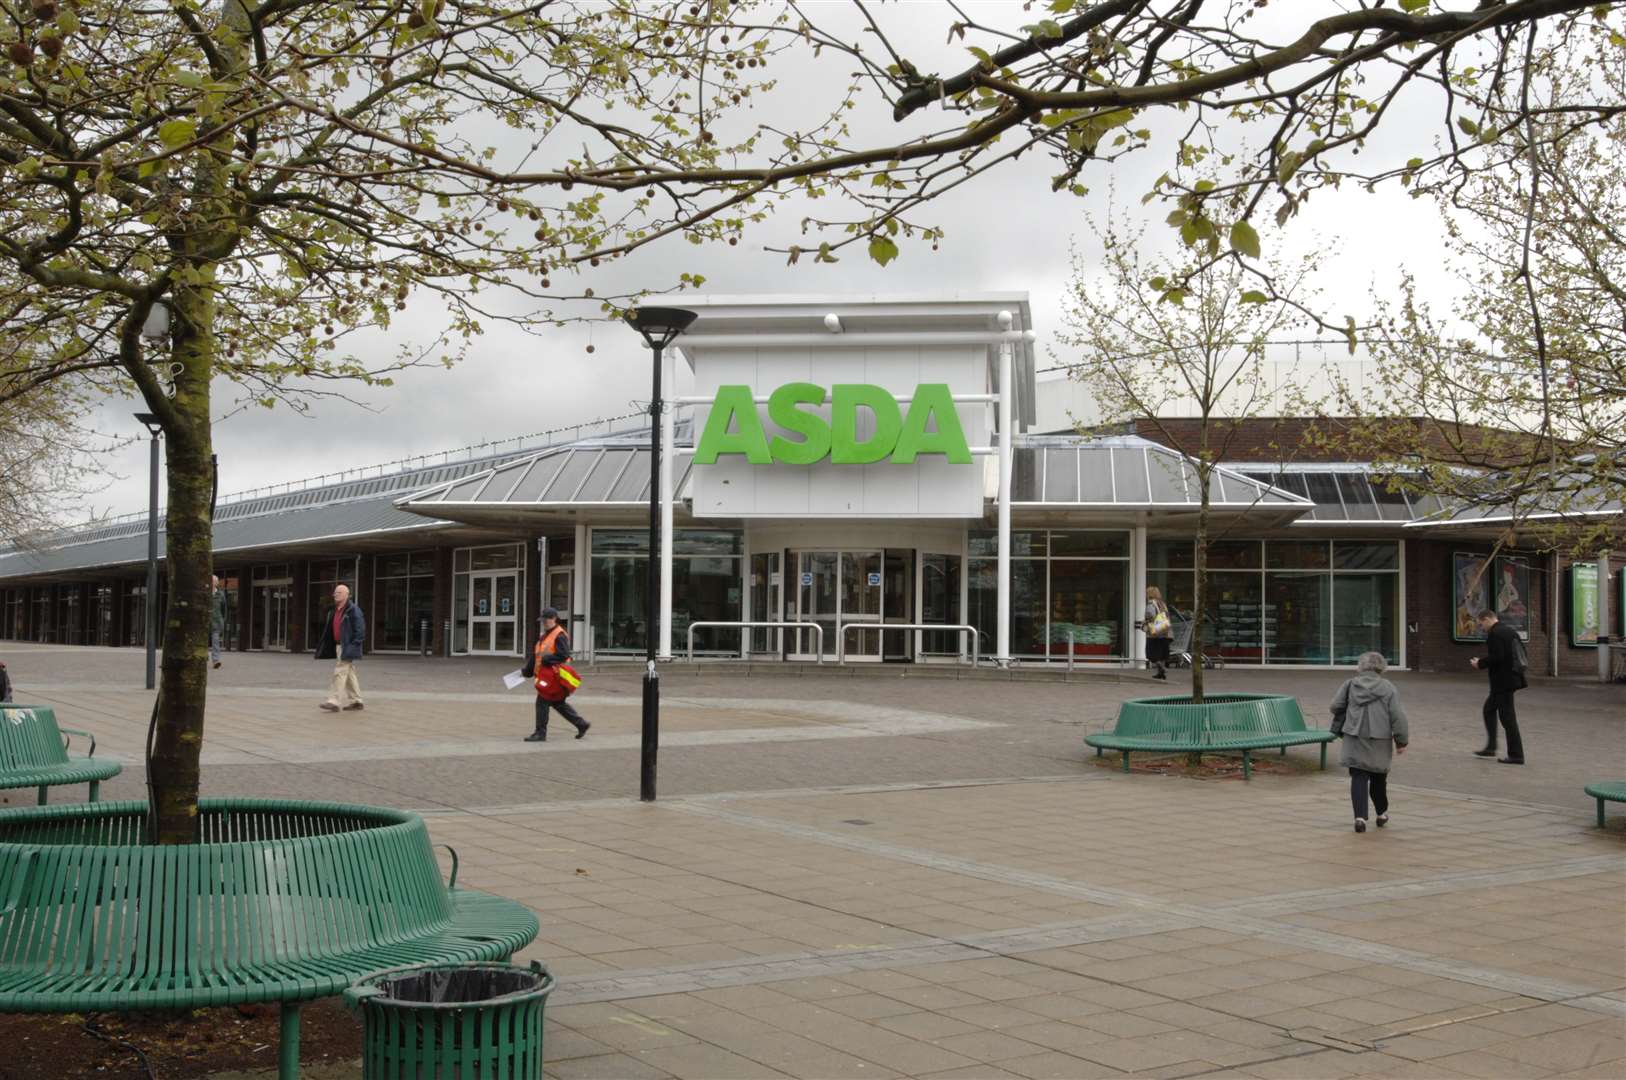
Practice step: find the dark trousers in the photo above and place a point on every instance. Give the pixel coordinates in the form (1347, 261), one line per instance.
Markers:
(1500, 703)
(566, 710)
(1359, 782)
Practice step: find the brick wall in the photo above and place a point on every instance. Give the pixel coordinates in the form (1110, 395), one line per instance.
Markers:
(1429, 604)
(1288, 438)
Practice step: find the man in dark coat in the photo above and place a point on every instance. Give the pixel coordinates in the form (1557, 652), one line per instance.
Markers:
(1501, 661)
(344, 628)
(551, 649)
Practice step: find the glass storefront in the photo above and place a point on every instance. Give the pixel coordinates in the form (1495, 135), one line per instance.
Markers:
(1288, 601)
(1069, 590)
(403, 601)
(707, 585)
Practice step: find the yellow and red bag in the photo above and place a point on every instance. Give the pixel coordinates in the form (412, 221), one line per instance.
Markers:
(556, 683)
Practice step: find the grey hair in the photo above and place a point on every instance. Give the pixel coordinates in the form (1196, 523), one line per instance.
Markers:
(1373, 662)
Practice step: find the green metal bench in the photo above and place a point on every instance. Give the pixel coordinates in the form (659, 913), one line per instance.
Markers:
(34, 753)
(1223, 722)
(1606, 791)
(280, 901)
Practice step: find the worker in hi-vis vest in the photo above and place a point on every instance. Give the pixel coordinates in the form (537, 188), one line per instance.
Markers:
(554, 678)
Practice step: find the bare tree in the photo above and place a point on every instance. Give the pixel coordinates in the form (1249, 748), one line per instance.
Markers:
(1519, 391)
(1157, 355)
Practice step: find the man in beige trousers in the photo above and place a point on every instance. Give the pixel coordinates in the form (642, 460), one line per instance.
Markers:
(343, 631)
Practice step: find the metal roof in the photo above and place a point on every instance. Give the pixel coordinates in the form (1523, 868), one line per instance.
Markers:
(1344, 493)
(611, 473)
(346, 520)
(1130, 472)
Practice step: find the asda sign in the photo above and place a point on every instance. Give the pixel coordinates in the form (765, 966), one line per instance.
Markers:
(931, 426)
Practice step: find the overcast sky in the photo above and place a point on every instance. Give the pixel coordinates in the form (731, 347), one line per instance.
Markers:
(1005, 231)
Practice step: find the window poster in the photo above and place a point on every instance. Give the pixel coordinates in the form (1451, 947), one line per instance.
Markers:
(1512, 594)
(1470, 595)
(1584, 605)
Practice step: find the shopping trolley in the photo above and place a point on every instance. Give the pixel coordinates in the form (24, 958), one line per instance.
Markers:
(1182, 625)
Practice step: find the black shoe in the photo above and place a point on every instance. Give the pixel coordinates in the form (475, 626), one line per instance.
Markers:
(1489, 751)
(1360, 824)
(1511, 760)
(581, 728)
(537, 736)
(1161, 675)
(1383, 819)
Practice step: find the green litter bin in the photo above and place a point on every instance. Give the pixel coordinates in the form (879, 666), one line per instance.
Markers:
(452, 1021)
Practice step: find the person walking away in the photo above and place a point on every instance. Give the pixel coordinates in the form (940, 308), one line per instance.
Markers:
(343, 631)
(1159, 631)
(5, 684)
(217, 619)
(1504, 661)
(1366, 712)
(552, 649)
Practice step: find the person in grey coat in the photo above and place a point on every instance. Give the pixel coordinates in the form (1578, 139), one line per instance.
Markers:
(1366, 712)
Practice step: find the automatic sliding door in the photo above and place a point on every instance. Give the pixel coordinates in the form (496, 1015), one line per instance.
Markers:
(861, 601)
(817, 596)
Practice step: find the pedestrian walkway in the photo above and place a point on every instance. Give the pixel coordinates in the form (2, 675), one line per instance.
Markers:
(864, 878)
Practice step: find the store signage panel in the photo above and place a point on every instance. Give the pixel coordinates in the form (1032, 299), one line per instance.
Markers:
(931, 426)
(840, 432)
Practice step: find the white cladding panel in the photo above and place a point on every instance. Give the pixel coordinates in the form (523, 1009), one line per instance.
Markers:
(931, 487)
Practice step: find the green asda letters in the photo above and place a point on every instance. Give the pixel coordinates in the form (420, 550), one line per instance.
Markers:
(733, 427)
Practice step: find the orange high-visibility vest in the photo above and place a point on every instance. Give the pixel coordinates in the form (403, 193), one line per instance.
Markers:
(553, 683)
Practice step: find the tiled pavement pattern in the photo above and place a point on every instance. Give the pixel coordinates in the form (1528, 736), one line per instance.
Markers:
(845, 878)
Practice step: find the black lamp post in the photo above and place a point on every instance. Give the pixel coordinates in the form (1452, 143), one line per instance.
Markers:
(658, 326)
(150, 422)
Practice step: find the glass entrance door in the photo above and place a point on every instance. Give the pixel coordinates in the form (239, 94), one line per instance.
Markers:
(835, 587)
(494, 613)
(271, 616)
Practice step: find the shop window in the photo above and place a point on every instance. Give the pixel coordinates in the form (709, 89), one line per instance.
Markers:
(1365, 608)
(1091, 544)
(1365, 555)
(1233, 554)
(1172, 553)
(1296, 554)
(1298, 618)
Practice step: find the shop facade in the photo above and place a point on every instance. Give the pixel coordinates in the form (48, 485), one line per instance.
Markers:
(861, 474)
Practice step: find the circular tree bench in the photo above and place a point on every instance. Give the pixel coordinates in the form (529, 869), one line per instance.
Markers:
(280, 901)
(1222, 723)
(1606, 791)
(34, 753)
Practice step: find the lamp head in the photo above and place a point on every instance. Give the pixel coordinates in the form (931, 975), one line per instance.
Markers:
(659, 325)
(156, 326)
(150, 422)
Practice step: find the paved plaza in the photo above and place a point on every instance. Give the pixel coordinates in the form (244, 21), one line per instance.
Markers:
(877, 874)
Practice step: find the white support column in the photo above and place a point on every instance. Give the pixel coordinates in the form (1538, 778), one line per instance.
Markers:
(580, 613)
(1137, 595)
(1002, 655)
(668, 428)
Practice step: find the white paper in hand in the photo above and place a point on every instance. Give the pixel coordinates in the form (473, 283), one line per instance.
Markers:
(513, 679)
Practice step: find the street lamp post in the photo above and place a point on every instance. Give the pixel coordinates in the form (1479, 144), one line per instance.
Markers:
(154, 427)
(658, 326)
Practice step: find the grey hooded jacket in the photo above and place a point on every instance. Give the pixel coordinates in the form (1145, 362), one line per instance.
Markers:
(1366, 712)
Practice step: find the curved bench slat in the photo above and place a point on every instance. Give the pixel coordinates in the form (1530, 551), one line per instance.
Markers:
(1244, 722)
(294, 902)
(34, 753)
(1606, 791)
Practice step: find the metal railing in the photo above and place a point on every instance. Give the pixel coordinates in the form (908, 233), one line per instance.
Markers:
(860, 624)
(813, 626)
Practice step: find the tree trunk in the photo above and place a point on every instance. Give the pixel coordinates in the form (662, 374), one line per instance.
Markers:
(1200, 602)
(173, 773)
